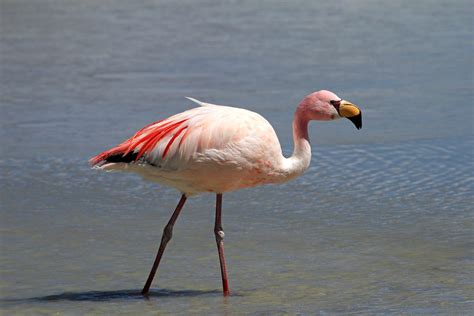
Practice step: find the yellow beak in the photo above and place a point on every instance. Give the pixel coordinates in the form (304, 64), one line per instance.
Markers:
(347, 109)
(352, 112)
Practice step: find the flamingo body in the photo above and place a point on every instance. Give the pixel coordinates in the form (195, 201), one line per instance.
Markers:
(211, 148)
(215, 148)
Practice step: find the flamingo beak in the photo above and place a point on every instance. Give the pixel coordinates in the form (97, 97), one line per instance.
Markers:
(351, 112)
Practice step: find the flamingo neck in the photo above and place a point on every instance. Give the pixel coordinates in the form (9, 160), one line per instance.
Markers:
(301, 157)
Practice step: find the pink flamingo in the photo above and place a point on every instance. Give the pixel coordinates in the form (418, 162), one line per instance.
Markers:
(214, 148)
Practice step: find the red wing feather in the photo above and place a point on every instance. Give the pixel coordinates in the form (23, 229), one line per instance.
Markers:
(144, 140)
(176, 134)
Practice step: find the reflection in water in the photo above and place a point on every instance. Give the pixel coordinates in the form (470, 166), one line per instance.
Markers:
(98, 296)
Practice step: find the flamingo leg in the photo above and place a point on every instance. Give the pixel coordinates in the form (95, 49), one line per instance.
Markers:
(219, 232)
(167, 234)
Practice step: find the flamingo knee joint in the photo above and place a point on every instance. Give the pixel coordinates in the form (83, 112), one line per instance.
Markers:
(167, 233)
(219, 234)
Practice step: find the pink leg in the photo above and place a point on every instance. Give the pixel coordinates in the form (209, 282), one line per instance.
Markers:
(167, 234)
(220, 244)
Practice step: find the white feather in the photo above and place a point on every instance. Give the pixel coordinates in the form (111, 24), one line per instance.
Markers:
(199, 102)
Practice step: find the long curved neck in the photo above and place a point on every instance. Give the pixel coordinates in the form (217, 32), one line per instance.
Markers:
(301, 157)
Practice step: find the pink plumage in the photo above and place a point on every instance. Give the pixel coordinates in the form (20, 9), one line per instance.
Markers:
(214, 148)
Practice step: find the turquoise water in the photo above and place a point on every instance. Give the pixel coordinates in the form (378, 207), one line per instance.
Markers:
(381, 223)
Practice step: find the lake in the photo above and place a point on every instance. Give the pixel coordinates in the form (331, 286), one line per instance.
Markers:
(381, 222)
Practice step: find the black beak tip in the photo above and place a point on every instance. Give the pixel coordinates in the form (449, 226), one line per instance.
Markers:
(356, 120)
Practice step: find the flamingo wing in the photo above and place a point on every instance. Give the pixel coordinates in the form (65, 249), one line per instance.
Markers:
(172, 143)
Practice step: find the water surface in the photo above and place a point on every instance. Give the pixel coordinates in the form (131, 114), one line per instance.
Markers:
(381, 223)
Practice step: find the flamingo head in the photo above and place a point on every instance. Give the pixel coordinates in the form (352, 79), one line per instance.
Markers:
(325, 106)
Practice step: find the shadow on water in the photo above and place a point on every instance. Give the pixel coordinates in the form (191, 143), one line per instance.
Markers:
(101, 296)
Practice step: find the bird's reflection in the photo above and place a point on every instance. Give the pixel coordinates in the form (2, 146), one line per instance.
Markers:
(100, 296)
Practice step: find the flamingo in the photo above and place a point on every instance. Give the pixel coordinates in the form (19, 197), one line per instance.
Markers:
(218, 149)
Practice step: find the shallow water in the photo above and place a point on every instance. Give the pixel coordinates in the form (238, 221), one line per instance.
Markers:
(381, 223)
